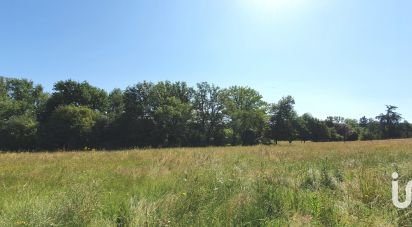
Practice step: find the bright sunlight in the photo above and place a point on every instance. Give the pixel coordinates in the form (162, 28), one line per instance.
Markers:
(272, 5)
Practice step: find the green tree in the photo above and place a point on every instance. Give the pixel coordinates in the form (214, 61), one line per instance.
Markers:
(208, 125)
(70, 127)
(390, 122)
(82, 104)
(283, 120)
(372, 131)
(137, 100)
(19, 97)
(3, 88)
(318, 129)
(116, 106)
(363, 122)
(20, 103)
(353, 131)
(70, 92)
(304, 134)
(18, 133)
(155, 115)
(172, 111)
(134, 125)
(245, 113)
(406, 129)
(342, 129)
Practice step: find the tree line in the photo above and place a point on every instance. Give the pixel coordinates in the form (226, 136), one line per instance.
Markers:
(77, 115)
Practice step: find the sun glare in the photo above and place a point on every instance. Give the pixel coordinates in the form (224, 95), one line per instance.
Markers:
(271, 5)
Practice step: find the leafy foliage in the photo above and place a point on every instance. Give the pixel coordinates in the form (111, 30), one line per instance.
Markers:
(284, 120)
(78, 115)
(245, 112)
(70, 127)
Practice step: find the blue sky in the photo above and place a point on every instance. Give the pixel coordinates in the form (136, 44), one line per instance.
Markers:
(341, 57)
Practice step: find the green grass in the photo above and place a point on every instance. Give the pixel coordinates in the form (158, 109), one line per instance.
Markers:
(320, 184)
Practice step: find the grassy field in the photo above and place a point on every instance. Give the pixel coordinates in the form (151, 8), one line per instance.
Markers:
(321, 184)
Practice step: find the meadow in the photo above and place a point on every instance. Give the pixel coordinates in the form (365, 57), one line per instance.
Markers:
(318, 184)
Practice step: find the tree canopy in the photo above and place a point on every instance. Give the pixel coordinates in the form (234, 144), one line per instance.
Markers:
(77, 115)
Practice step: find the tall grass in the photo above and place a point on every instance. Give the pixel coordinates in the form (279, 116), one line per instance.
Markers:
(321, 184)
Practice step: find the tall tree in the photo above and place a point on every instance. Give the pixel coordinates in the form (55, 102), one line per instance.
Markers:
(406, 129)
(71, 92)
(20, 103)
(245, 113)
(318, 129)
(135, 126)
(304, 134)
(171, 103)
(342, 129)
(363, 122)
(70, 127)
(283, 120)
(390, 122)
(82, 104)
(21, 97)
(372, 131)
(208, 115)
(116, 106)
(353, 130)
(156, 114)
